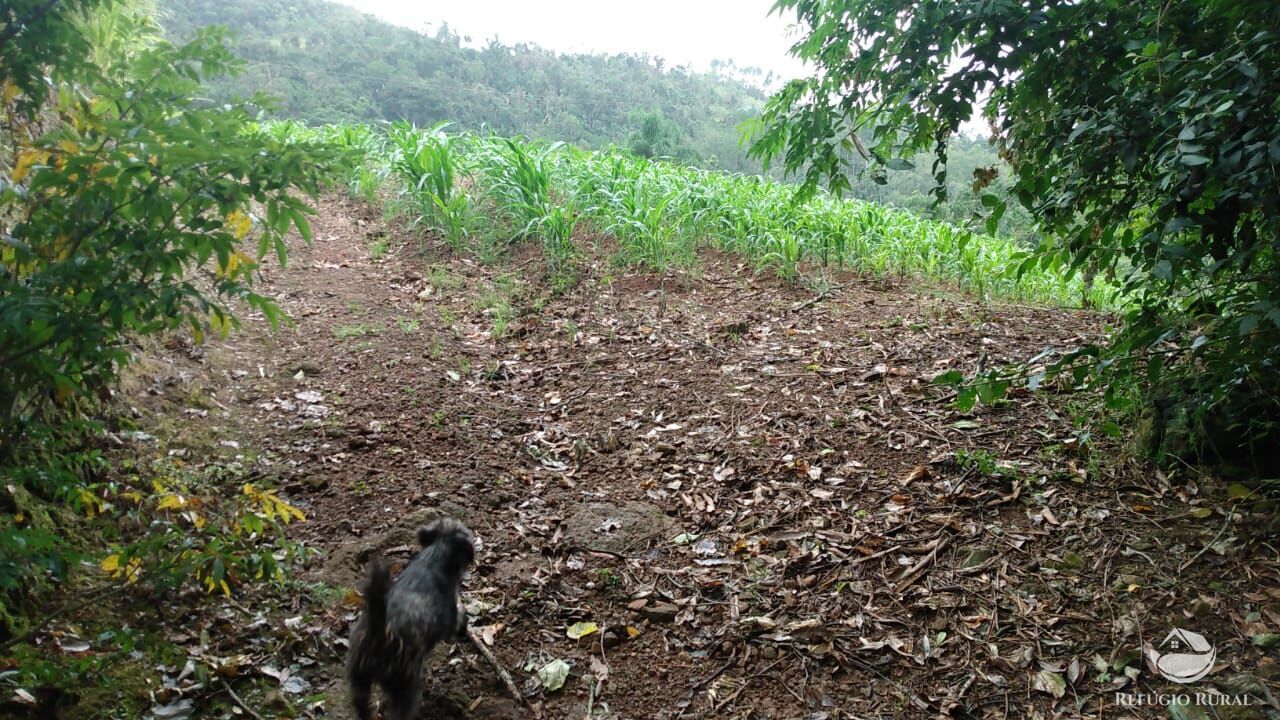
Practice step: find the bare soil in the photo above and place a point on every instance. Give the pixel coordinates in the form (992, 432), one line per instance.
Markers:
(752, 489)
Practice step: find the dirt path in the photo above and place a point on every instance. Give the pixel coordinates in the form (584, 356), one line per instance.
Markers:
(762, 503)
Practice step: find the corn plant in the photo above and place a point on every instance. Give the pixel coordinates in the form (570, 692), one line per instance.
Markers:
(555, 228)
(426, 161)
(660, 213)
(520, 176)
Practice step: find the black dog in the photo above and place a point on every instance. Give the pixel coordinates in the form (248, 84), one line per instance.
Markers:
(401, 623)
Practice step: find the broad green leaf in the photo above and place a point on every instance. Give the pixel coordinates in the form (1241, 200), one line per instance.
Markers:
(1050, 682)
(553, 675)
(1237, 491)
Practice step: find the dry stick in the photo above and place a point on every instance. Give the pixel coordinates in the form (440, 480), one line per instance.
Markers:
(241, 703)
(818, 298)
(501, 672)
(910, 577)
(1230, 514)
(693, 691)
(746, 681)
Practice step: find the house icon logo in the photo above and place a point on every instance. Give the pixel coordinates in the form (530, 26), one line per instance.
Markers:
(1183, 656)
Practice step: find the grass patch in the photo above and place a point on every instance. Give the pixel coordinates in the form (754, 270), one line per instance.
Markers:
(344, 332)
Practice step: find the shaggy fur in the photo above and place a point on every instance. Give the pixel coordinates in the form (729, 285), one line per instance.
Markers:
(403, 621)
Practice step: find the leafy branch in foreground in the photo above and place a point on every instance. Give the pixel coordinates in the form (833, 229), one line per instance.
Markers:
(1143, 139)
(111, 214)
(127, 207)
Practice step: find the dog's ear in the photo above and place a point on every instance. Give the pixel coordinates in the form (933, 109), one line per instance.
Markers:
(466, 550)
(461, 553)
(428, 534)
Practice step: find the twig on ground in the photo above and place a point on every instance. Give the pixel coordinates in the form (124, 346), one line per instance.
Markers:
(924, 562)
(591, 697)
(1230, 514)
(818, 298)
(705, 681)
(236, 699)
(500, 671)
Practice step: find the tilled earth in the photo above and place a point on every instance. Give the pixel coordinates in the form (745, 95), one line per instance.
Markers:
(747, 494)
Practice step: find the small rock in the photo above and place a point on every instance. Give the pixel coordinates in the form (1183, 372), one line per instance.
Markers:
(610, 639)
(305, 367)
(660, 612)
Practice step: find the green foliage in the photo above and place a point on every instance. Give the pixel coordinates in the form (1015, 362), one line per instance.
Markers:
(331, 64)
(113, 209)
(42, 492)
(643, 210)
(36, 35)
(555, 228)
(427, 162)
(1142, 138)
(117, 32)
(657, 136)
(520, 180)
(173, 526)
(127, 207)
(661, 212)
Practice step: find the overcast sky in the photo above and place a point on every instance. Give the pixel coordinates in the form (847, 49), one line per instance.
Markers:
(692, 32)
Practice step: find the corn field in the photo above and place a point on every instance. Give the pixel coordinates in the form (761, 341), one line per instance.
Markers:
(481, 194)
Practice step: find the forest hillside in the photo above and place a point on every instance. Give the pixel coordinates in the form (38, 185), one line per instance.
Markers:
(328, 63)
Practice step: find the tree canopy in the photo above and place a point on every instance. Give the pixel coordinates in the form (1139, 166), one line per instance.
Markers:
(1142, 137)
(129, 206)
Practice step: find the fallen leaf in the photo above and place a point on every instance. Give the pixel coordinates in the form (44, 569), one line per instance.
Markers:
(1050, 682)
(1266, 640)
(73, 645)
(1236, 491)
(487, 634)
(553, 675)
(177, 710)
(581, 630)
(919, 472)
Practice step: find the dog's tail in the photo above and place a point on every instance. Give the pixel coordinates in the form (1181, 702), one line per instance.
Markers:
(376, 588)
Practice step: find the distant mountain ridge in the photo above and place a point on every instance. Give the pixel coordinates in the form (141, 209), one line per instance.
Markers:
(330, 63)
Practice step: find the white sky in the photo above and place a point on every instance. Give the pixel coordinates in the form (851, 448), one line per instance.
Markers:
(683, 32)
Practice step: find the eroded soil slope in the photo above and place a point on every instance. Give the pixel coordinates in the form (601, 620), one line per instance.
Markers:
(751, 489)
